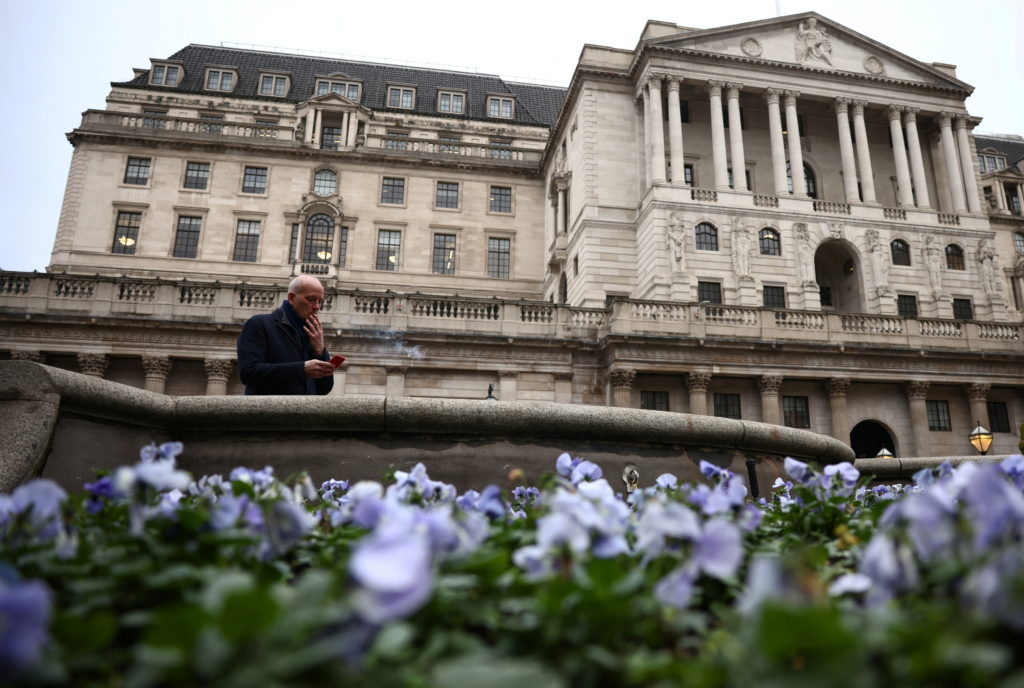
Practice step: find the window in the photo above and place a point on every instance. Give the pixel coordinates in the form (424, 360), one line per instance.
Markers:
(954, 257)
(774, 297)
(389, 244)
(809, 180)
(271, 85)
(447, 195)
(331, 138)
(653, 401)
(392, 191)
(938, 415)
(247, 241)
(197, 175)
(126, 232)
(186, 239)
(154, 119)
(401, 97)
(707, 237)
(164, 75)
(727, 406)
(137, 171)
(219, 80)
(825, 294)
(254, 180)
(795, 412)
(293, 247)
(709, 291)
(900, 252)
(770, 243)
(448, 140)
(343, 247)
(688, 174)
(962, 309)
(343, 88)
(454, 103)
(325, 182)
(319, 240)
(397, 140)
(501, 199)
(990, 163)
(500, 107)
(906, 305)
(444, 254)
(501, 150)
(1018, 241)
(499, 255)
(998, 418)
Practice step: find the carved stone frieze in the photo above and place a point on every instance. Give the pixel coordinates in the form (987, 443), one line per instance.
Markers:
(751, 47)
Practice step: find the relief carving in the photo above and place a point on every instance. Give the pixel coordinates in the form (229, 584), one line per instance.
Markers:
(676, 237)
(879, 262)
(812, 41)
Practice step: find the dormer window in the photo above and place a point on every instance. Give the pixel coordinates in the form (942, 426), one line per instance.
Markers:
(991, 163)
(273, 85)
(164, 75)
(401, 97)
(220, 79)
(503, 108)
(347, 89)
(452, 102)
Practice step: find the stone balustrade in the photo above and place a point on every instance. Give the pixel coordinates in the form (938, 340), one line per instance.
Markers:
(163, 125)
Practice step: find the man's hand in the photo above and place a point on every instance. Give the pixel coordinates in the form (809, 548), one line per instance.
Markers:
(315, 368)
(315, 332)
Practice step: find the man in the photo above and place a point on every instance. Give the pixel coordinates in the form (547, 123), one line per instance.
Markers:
(283, 352)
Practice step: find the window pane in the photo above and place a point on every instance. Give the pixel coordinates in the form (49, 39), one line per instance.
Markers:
(406, 98)
(795, 412)
(325, 183)
(727, 406)
(900, 252)
(394, 97)
(255, 180)
(457, 100)
(938, 415)
(501, 199)
(1018, 242)
(709, 291)
(447, 195)
(172, 77)
(653, 401)
(197, 175)
(962, 309)
(186, 241)
(353, 92)
(954, 257)
(137, 171)
(444, 254)
(319, 240)
(225, 81)
(266, 85)
(247, 241)
(213, 80)
(498, 257)
(343, 247)
(998, 417)
(774, 297)
(770, 243)
(322, 87)
(707, 237)
(397, 140)
(493, 107)
(158, 74)
(280, 84)
(906, 305)
(293, 248)
(331, 138)
(126, 232)
(444, 103)
(393, 191)
(389, 244)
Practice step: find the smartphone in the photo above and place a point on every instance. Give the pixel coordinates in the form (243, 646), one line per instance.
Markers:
(337, 360)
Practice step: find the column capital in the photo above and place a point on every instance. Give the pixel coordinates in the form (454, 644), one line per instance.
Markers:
(156, 366)
(698, 382)
(94, 365)
(622, 378)
(509, 374)
(858, 107)
(916, 389)
(218, 368)
(910, 114)
(961, 120)
(945, 118)
(978, 391)
(838, 387)
(772, 95)
(791, 96)
(34, 356)
(769, 384)
(895, 112)
(674, 83)
(715, 87)
(654, 80)
(841, 104)
(734, 89)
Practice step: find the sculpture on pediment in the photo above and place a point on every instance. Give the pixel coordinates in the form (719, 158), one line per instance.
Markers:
(879, 261)
(813, 41)
(987, 260)
(675, 238)
(933, 262)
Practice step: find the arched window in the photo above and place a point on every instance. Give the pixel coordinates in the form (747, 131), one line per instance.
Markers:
(319, 240)
(771, 244)
(900, 252)
(707, 237)
(954, 257)
(1018, 242)
(809, 179)
(325, 183)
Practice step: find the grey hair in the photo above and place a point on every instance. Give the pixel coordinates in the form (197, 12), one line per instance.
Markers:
(296, 285)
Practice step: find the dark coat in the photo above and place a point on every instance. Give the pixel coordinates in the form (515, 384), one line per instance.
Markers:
(271, 357)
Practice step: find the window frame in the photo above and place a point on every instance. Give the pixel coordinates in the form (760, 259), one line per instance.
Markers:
(776, 291)
(221, 72)
(705, 289)
(701, 235)
(132, 231)
(384, 189)
(452, 95)
(902, 309)
(257, 244)
(1000, 421)
(438, 205)
(330, 85)
(397, 262)
(796, 411)
(500, 149)
(937, 413)
(654, 400)
(272, 92)
(185, 177)
(245, 177)
(401, 90)
(1018, 242)
(765, 242)
(491, 200)
(722, 405)
(316, 181)
(178, 229)
(493, 256)
(128, 165)
(500, 101)
(963, 309)
(165, 67)
(453, 248)
(900, 247)
(955, 257)
(322, 242)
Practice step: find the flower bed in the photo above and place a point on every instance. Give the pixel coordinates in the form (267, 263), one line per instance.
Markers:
(153, 578)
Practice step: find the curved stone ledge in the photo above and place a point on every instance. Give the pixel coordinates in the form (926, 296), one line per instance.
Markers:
(95, 424)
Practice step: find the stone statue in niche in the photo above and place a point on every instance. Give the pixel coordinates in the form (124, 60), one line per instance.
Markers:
(879, 262)
(812, 41)
(989, 271)
(805, 255)
(675, 237)
(933, 262)
(741, 249)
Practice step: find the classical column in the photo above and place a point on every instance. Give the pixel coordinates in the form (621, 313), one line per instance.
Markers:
(917, 392)
(34, 356)
(648, 136)
(899, 154)
(837, 390)
(657, 131)
(218, 370)
(698, 384)
(675, 133)
(736, 156)
(622, 387)
(849, 164)
(718, 153)
(394, 384)
(967, 165)
(860, 132)
(977, 393)
(770, 411)
(508, 385)
(560, 214)
(953, 179)
(317, 121)
(93, 365)
(796, 155)
(916, 161)
(156, 369)
(310, 125)
(778, 145)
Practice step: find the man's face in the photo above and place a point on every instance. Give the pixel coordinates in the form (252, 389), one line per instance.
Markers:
(306, 301)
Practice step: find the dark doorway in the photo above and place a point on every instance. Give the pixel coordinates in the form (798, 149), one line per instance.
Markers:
(868, 437)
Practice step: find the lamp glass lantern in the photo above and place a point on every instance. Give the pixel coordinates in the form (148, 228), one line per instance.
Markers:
(981, 439)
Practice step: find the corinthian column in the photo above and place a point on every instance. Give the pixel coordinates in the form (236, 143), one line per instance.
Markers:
(93, 365)
(648, 136)
(967, 165)
(675, 133)
(217, 373)
(899, 153)
(156, 368)
(796, 155)
(917, 393)
(739, 162)
(978, 396)
(846, 150)
(837, 390)
(718, 153)
(778, 145)
(949, 156)
(34, 356)
(916, 161)
(867, 175)
(657, 131)
(698, 384)
(770, 386)
(622, 387)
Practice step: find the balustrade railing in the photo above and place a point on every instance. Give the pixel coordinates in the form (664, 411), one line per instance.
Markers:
(831, 208)
(537, 313)
(199, 296)
(948, 219)
(136, 291)
(872, 324)
(450, 308)
(587, 317)
(1000, 331)
(704, 195)
(14, 284)
(894, 213)
(732, 315)
(653, 310)
(74, 289)
(257, 298)
(800, 320)
(941, 328)
(764, 201)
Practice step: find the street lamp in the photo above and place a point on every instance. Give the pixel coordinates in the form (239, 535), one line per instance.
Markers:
(883, 453)
(981, 439)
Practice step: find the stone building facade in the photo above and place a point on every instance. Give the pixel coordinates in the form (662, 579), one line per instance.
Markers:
(782, 221)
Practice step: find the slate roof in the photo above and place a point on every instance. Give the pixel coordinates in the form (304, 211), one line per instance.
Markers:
(537, 105)
(1013, 148)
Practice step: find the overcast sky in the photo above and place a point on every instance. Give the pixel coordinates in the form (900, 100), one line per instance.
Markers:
(58, 57)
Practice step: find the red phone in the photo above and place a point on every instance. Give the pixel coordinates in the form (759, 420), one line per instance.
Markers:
(337, 360)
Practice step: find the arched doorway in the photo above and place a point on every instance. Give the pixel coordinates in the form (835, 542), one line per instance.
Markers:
(837, 271)
(868, 437)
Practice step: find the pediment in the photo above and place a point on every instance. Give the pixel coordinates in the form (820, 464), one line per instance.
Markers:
(811, 41)
(332, 99)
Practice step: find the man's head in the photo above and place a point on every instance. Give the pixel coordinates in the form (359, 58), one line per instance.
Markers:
(305, 294)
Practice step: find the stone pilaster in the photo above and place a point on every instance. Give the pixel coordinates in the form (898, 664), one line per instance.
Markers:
(657, 131)
(838, 388)
(917, 393)
(967, 167)
(563, 388)
(508, 385)
(698, 384)
(157, 368)
(93, 365)
(622, 387)
(218, 371)
(796, 154)
(769, 386)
